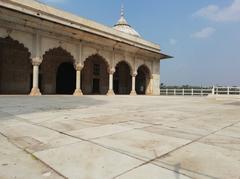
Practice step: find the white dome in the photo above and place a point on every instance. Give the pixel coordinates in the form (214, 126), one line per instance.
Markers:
(123, 26)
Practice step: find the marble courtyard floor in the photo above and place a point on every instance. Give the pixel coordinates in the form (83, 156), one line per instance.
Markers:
(119, 137)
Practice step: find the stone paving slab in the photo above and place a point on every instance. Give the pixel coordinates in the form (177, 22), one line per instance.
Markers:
(67, 124)
(87, 160)
(34, 138)
(107, 119)
(119, 136)
(233, 131)
(141, 144)
(222, 141)
(152, 172)
(199, 160)
(172, 132)
(191, 126)
(17, 164)
(87, 113)
(105, 130)
(42, 116)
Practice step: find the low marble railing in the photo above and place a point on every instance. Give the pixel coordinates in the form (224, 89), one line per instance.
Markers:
(200, 91)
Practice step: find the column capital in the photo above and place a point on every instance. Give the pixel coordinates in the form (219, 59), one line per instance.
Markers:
(78, 66)
(134, 74)
(36, 61)
(112, 71)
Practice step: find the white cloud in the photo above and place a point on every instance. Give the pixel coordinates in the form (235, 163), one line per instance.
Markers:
(225, 14)
(204, 33)
(172, 41)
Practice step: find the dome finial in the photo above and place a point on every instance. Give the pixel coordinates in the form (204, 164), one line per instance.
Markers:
(122, 25)
(122, 10)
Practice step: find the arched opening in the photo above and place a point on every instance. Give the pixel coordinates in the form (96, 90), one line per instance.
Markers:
(143, 80)
(15, 67)
(95, 78)
(57, 74)
(122, 79)
(66, 79)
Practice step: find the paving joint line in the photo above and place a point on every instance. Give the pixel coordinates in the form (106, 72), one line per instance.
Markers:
(162, 156)
(117, 151)
(145, 162)
(32, 155)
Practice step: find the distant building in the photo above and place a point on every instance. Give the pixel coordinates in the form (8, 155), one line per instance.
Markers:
(47, 51)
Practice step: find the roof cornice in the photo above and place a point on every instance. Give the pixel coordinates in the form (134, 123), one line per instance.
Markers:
(43, 11)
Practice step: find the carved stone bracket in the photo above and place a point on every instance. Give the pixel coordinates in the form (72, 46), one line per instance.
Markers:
(134, 74)
(78, 66)
(112, 71)
(36, 61)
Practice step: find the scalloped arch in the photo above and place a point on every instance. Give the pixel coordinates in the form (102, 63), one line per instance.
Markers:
(62, 49)
(22, 38)
(97, 55)
(52, 46)
(145, 65)
(19, 43)
(105, 56)
(125, 61)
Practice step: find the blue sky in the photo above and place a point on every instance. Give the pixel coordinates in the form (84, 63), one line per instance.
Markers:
(203, 36)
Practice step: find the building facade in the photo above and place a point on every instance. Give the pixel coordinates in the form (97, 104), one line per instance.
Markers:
(44, 50)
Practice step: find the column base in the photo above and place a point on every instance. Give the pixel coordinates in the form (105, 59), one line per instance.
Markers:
(77, 92)
(35, 92)
(133, 93)
(149, 94)
(110, 93)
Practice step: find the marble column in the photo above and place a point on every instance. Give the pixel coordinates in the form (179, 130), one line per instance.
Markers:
(133, 92)
(78, 91)
(35, 88)
(110, 89)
